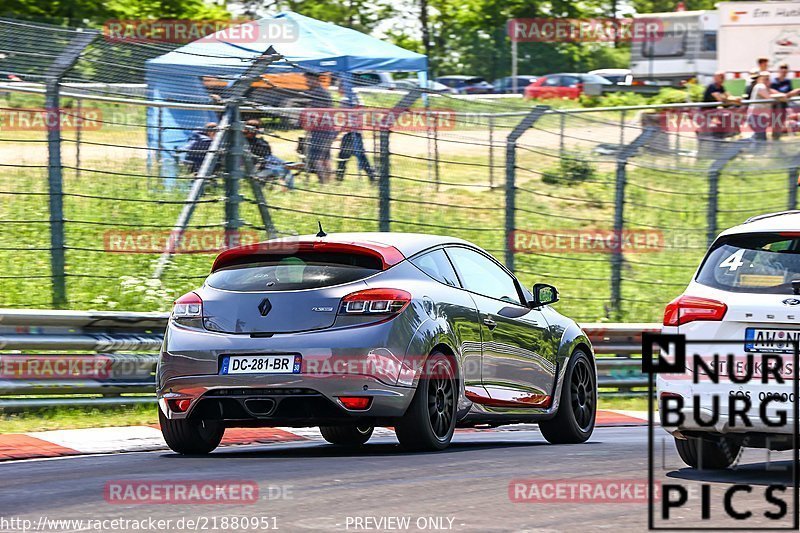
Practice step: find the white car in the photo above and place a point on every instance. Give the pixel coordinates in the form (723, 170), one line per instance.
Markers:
(743, 294)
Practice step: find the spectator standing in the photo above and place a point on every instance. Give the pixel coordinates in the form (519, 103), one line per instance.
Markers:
(352, 144)
(759, 114)
(751, 81)
(320, 139)
(782, 84)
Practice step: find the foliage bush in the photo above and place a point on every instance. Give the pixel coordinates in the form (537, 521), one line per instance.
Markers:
(572, 169)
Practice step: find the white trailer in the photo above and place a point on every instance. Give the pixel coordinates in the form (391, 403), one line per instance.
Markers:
(684, 48)
(749, 30)
(695, 44)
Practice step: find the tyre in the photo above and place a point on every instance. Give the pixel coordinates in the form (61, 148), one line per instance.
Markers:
(708, 454)
(430, 421)
(574, 421)
(191, 436)
(346, 435)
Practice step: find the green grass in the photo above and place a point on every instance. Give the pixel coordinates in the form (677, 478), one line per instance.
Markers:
(462, 196)
(147, 414)
(79, 417)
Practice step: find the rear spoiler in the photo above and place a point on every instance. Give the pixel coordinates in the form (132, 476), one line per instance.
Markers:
(387, 255)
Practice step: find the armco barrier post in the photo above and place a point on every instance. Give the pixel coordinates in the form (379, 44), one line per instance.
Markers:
(623, 155)
(384, 174)
(53, 75)
(511, 175)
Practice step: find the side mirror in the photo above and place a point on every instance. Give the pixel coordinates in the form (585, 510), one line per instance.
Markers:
(543, 294)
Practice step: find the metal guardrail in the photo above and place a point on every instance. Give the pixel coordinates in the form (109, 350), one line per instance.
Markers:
(124, 346)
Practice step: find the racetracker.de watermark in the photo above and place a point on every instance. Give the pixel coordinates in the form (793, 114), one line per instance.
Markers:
(201, 241)
(185, 492)
(51, 119)
(181, 31)
(375, 118)
(729, 121)
(55, 367)
(565, 30)
(586, 241)
(579, 491)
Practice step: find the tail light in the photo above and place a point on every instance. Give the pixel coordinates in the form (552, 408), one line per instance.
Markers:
(188, 310)
(685, 309)
(375, 302)
(179, 406)
(356, 403)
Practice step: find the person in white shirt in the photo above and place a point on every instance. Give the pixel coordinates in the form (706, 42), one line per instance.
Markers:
(759, 115)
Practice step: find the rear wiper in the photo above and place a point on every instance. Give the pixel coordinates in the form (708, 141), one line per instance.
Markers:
(796, 286)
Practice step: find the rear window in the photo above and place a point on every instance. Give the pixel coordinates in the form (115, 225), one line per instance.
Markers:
(294, 272)
(756, 262)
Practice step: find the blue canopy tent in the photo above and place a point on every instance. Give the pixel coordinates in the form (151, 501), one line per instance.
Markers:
(316, 46)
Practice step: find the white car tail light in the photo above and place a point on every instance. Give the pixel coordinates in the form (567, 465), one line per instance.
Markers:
(375, 302)
(685, 309)
(188, 310)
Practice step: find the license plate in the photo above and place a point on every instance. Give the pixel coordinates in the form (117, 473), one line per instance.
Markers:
(765, 340)
(261, 364)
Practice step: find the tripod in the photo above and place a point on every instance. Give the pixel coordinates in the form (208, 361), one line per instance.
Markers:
(239, 165)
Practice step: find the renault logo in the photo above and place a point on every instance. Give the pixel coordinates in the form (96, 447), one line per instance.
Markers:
(791, 301)
(264, 307)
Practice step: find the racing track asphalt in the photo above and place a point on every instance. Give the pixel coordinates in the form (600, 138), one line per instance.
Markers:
(468, 483)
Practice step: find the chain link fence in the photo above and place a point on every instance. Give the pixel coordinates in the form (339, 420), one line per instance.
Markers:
(106, 159)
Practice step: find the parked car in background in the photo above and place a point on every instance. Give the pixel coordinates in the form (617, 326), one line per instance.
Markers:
(430, 85)
(562, 85)
(372, 79)
(506, 85)
(467, 84)
(618, 76)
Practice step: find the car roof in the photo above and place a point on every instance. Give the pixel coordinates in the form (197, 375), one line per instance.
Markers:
(456, 77)
(601, 71)
(769, 222)
(407, 244)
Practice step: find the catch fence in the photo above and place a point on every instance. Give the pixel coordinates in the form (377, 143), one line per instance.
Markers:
(91, 194)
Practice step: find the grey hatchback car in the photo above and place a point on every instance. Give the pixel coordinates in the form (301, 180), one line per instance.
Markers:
(351, 331)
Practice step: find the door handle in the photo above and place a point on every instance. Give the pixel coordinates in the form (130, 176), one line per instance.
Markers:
(491, 324)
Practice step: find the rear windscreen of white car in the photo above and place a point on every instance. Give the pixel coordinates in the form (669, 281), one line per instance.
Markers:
(294, 272)
(754, 262)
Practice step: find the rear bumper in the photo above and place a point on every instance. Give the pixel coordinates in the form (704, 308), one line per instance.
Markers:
(282, 399)
(364, 361)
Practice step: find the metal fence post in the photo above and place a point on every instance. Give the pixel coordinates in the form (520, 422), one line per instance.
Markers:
(511, 176)
(78, 128)
(384, 207)
(55, 179)
(491, 151)
(619, 214)
(384, 174)
(235, 174)
(729, 152)
(56, 195)
(794, 183)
